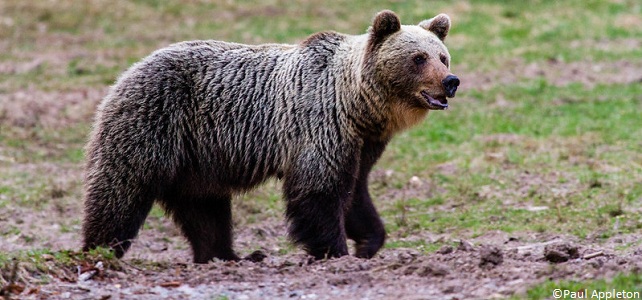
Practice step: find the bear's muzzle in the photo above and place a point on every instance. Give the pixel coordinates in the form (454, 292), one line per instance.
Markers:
(450, 83)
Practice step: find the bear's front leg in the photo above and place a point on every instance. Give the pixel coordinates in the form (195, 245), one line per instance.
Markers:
(318, 191)
(363, 224)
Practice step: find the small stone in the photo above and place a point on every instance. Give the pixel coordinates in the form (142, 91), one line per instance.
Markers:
(558, 253)
(555, 256)
(597, 263)
(415, 182)
(410, 270)
(465, 246)
(491, 256)
(433, 270)
(256, 256)
(446, 249)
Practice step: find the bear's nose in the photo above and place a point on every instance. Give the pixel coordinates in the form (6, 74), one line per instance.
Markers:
(450, 83)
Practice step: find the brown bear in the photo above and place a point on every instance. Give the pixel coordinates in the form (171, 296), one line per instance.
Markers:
(197, 122)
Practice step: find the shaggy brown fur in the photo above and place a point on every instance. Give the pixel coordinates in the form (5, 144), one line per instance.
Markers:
(197, 122)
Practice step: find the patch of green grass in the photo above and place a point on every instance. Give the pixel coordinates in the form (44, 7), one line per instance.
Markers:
(538, 110)
(285, 246)
(547, 29)
(155, 266)
(33, 196)
(247, 210)
(573, 148)
(591, 289)
(154, 217)
(421, 245)
(38, 144)
(40, 263)
(4, 199)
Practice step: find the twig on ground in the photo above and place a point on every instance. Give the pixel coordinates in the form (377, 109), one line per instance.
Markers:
(593, 255)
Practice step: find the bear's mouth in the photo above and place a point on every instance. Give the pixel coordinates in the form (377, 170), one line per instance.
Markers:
(440, 103)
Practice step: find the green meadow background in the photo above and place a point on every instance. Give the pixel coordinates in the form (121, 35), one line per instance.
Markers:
(544, 136)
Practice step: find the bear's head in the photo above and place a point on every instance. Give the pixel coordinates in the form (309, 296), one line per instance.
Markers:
(411, 66)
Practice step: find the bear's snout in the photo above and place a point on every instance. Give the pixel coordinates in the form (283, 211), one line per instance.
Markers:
(450, 83)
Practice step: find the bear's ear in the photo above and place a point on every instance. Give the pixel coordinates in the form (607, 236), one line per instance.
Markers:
(439, 25)
(385, 23)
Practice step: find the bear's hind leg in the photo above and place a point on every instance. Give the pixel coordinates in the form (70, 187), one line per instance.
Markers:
(113, 222)
(206, 222)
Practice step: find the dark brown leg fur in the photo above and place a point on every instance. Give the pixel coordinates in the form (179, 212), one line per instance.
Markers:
(206, 222)
(114, 225)
(316, 214)
(363, 224)
(316, 223)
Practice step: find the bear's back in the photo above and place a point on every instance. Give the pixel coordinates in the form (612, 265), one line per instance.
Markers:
(233, 112)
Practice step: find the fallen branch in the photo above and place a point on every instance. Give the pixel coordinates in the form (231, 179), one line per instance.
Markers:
(170, 284)
(593, 255)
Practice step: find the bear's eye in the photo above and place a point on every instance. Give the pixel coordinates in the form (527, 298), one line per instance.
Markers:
(419, 59)
(444, 59)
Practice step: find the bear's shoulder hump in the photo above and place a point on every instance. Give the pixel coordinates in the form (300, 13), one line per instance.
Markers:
(323, 38)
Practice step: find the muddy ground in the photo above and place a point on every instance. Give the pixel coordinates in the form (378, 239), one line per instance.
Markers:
(493, 265)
